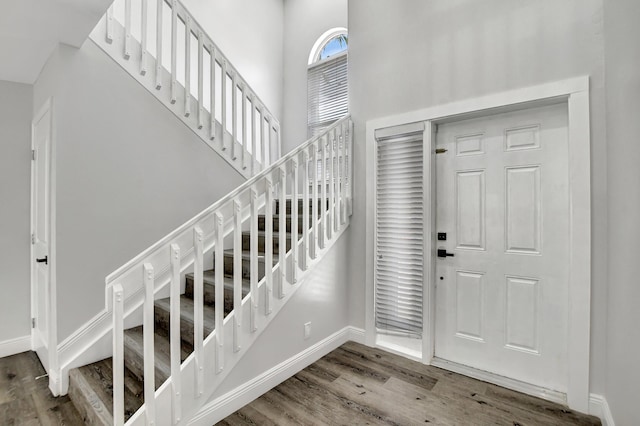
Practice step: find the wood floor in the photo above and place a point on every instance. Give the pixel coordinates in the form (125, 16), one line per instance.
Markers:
(25, 399)
(357, 385)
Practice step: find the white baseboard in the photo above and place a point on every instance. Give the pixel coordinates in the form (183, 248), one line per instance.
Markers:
(15, 346)
(599, 407)
(232, 401)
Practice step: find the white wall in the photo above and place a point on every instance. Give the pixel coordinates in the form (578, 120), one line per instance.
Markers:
(249, 33)
(622, 57)
(415, 54)
(322, 300)
(304, 22)
(15, 178)
(128, 173)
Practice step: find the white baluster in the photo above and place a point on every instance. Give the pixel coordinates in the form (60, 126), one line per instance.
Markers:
(253, 258)
(174, 333)
(198, 308)
(343, 187)
(148, 324)
(219, 283)
(212, 107)
(263, 143)
(305, 209)
(267, 155)
(282, 230)
(187, 66)
(118, 355)
(330, 219)
(109, 24)
(323, 201)
(127, 29)
(143, 39)
(268, 243)
(200, 80)
(245, 154)
(335, 213)
(314, 205)
(254, 140)
(234, 117)
(294, 219)
(237, 274)
(223, 105)
(174, 50)
(159, 11)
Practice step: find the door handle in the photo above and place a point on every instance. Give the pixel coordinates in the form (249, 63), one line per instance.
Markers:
(44, 260)
(443, 253)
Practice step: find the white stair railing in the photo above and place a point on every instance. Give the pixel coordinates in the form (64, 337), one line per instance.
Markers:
(133, 287)
(163, 47)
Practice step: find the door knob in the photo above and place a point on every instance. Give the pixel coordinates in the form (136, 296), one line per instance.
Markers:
(443, 253)
(44, 260)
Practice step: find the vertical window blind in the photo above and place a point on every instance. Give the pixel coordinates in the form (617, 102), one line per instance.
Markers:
(327, 96)
(399, 236)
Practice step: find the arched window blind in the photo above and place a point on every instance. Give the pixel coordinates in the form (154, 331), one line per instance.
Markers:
(327, 97)
(399, 236)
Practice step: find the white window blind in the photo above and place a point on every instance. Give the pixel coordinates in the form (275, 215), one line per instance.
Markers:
(399, 236)
(327, 97)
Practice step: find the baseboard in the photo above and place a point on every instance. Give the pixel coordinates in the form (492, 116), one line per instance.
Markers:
(599, 407)
(232, 401)
(15, 346)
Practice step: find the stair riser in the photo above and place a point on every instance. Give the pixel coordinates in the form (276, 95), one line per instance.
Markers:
(246, 267)
(246, 242)
(163, 325)
(135, 363)
(210, 294)
(300, 206)
(276, 223)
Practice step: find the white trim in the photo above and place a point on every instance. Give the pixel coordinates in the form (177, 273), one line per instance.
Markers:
(228, 403)
(322, 40)
(51, 298)
(599, 407)
(575, 92)
(505, 382)
(15, 346)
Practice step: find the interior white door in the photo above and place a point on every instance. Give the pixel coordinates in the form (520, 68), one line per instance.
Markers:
(41, 233)
(503, 202)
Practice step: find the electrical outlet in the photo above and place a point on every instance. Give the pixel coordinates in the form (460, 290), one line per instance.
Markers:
(307, 330)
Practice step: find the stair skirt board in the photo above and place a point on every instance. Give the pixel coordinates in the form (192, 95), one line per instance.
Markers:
(15, 346)
(101, 345)
(242, 395)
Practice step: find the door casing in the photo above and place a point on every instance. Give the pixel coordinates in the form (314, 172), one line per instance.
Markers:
(50, 297)
(575, 93)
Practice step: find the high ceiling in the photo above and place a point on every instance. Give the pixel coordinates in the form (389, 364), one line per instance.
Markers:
(31, 29)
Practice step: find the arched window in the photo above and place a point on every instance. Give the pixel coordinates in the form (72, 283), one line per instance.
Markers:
(327, 95)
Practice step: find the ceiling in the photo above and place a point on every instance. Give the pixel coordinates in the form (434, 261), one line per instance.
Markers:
(31, 29)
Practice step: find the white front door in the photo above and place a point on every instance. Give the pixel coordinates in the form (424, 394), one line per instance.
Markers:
(502, 200)
(41, 233)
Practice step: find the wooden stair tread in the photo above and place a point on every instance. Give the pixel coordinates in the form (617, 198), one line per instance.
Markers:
(134, 355)
(186, 313)
(208, 278)
(246, 255)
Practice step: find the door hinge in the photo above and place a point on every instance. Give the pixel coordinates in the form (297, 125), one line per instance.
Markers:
(33, 323)
(33, 154)
(33, 238)
(440, 150)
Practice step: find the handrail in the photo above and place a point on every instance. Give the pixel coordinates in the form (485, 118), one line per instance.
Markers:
(112, 277)
(234, 141)
(135, 284)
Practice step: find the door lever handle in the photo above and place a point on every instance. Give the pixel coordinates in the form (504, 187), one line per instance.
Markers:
(443, 253)
(44, 260)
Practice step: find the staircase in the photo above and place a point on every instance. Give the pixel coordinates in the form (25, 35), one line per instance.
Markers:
(91, 386)
(178, 327)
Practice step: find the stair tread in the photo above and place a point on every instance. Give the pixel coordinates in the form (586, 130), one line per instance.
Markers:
(186, 312)
(263, 233)
(95, 384)
(133, 342)
(246, 255)
(208, 278)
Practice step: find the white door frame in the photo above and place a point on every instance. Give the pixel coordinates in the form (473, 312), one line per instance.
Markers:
(575, 93)
(50, 297)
